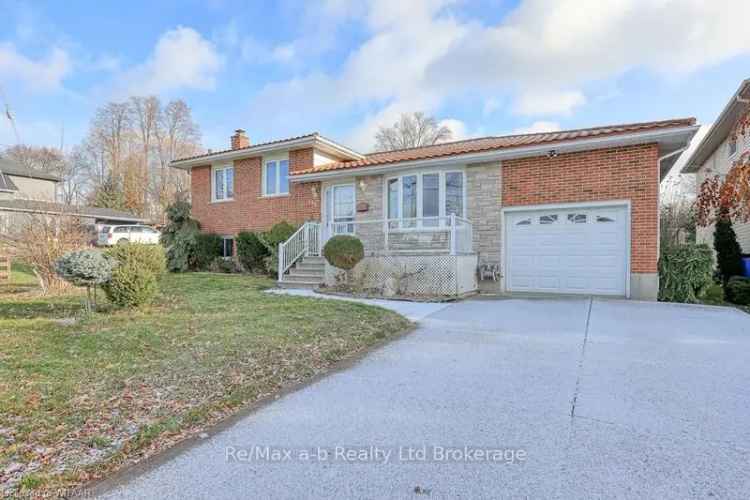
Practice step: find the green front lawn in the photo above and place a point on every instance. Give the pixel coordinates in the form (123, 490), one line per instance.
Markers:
(714, 296)
(82, 395)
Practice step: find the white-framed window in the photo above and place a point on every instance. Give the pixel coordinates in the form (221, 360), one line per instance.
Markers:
(276, 177)
(227, 247)
(427, 196)
(222, 180)
(732, 146)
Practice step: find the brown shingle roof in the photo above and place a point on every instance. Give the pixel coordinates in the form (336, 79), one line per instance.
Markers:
(495, 143)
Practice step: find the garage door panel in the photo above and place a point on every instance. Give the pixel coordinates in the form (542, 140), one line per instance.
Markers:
(583, 250)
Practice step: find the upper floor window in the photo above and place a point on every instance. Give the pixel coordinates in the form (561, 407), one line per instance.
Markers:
(276, 177)
(732, 146)
(223, 180)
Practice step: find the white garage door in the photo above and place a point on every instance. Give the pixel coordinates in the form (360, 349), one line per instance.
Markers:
(571, 250)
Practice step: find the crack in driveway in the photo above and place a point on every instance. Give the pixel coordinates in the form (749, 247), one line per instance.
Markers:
(580, 362)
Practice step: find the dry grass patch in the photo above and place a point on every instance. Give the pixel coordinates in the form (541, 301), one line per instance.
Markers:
(81, 395)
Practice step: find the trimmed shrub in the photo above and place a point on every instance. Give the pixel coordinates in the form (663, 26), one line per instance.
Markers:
(685, 272)
(251, 251)
(151, 257)
(208, 246)
(132, 285)
(279, 233)
(87, 268)
(179, 237)
(344, 251)
(740, 290)
(728, 253)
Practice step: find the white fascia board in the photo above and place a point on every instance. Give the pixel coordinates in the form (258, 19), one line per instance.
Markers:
(510, 153)
(317, 142)
(710, 140)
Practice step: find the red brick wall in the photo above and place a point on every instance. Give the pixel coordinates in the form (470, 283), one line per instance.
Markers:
(250, 210)
(627, 173)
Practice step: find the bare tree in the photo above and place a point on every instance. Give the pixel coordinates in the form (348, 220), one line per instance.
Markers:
(146, 113)
(178, 136)
(128, 151)
(411, 130)
(40, 239)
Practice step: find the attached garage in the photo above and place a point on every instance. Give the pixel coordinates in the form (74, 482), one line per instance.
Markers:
(569, 249)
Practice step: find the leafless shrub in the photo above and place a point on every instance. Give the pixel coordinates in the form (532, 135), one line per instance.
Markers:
(40, 240)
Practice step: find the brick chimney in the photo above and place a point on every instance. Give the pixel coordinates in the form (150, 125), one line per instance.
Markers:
(239, 139)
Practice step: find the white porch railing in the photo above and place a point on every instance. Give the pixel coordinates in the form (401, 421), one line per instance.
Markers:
(435, 235)
(306, 241)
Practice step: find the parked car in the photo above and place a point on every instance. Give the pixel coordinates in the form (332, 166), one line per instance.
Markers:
(113, 235)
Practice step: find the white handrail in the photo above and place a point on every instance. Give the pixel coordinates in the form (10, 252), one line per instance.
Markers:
(305, 241)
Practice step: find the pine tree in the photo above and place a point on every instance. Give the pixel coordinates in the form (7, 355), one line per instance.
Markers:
(728, 252)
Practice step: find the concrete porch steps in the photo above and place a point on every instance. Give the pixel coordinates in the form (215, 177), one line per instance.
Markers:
(308, 272)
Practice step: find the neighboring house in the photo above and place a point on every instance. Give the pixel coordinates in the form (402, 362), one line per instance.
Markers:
(25, 192)
(716, 154)
(17, 181)
(560, 212)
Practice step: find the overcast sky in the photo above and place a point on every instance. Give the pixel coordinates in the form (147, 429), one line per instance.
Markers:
(342, 68)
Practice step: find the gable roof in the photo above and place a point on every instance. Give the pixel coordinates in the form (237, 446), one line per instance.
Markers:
(500, 143)
(314, 140)
(720, 129)
(48, 207)
(6, 183)
(11, 167)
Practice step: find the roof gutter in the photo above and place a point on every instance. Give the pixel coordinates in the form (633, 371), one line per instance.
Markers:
(509, 153)
(73, 214)
(690, 167)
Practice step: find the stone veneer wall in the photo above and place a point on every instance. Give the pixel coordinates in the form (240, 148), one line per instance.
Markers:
(484, 189)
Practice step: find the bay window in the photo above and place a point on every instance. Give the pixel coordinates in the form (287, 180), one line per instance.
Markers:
(276, 177)
(430, 197)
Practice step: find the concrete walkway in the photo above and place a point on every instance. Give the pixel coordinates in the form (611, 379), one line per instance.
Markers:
(571, 398)
(411, 310)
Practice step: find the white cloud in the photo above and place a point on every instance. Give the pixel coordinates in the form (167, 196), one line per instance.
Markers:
(459, 130)
(182, 59)
(544, 55)
(42, 74)
(548, 102)
(537, 128)
(571, 42)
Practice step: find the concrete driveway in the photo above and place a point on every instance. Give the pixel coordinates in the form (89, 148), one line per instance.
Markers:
(569, 398)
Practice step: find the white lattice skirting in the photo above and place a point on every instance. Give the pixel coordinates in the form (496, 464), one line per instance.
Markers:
(419, 275)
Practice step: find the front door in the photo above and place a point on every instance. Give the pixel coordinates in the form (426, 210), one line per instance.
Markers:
(340, 209)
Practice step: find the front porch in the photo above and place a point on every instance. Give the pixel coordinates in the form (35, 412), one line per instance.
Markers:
(427, 256)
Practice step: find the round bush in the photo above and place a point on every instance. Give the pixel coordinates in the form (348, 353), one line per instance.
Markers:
(279, 233)
(132, 285)
(151, 257)
(85, 267)
(344, 251)
(251, 251)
